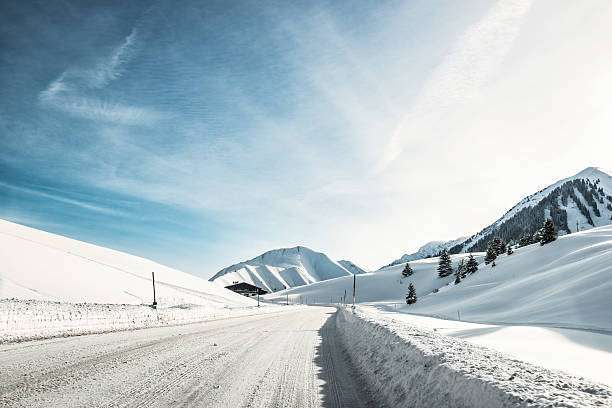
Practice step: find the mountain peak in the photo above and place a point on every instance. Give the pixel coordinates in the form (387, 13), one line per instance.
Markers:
(593, 172)
(282, 268)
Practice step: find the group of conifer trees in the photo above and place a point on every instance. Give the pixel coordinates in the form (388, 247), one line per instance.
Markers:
(496, 247)
(411, 296)
(544, 235)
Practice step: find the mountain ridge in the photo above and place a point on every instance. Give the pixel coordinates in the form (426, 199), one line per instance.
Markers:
(575, 203)
(282, 268)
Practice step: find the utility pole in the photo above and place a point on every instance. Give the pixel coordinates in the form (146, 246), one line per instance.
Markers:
(258, 297)
(154, 305)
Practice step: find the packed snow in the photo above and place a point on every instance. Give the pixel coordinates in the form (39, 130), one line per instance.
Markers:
(280, 269)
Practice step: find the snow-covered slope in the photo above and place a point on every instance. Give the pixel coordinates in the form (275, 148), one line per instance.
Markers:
(385, 285)
(282, 268)
(38, 265)
(351, 267)
(428, 250)
(566, 283)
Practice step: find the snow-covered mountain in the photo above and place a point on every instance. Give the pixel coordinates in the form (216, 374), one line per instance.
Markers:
(42, 266)
(428, 250)
(351, 267)
(284, 268)
(576, 203)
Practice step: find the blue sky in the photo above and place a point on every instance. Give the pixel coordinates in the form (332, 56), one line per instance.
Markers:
(199, 134)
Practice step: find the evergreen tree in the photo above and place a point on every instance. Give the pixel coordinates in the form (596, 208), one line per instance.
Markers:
(462, 269)
(537, 236)
(472, 265)
(491, 253)
(500, 245)
(510, 251)
(445, 267)
(549, 232)
(411, 297)
(407, 271)
(493, 264)
(457, 276)
(526, 239)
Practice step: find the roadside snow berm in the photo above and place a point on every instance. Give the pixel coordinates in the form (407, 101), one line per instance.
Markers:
(412, 366)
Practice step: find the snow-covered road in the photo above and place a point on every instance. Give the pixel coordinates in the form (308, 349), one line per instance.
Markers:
(291, 358)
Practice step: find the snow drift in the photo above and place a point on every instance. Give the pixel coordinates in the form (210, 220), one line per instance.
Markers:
(282, 268)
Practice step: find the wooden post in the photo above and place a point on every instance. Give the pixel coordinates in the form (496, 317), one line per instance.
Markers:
(154, 300)
(354, 284)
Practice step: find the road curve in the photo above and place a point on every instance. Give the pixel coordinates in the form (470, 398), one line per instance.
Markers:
(286, 359)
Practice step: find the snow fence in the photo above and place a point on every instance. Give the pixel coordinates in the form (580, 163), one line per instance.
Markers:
(22, 320)
(409, 366)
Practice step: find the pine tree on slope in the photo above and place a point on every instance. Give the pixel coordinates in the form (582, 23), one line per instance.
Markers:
(549, 232)
(411, 297)
(407, 271)
(499, 245)
(445, 267)
(472, 265)
(510, 251)
(462, 269)
(526, 239)
(457, 276)
(491, 253)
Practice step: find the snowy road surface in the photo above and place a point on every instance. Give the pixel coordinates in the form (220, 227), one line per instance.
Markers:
(286, 359)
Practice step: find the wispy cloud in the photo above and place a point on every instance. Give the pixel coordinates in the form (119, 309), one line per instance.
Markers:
(72, 91)
(476, 55)
(63, 199)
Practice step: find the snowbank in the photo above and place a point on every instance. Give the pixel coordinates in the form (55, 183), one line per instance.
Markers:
(407, 364)
(22, 320)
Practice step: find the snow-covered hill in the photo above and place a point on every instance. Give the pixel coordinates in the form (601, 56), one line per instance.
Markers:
(282, 268)
(43, 266)
(576, 203)
(351, 267)
(566, 283)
